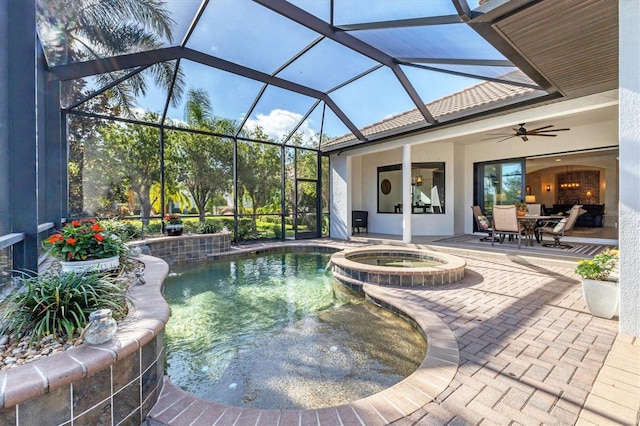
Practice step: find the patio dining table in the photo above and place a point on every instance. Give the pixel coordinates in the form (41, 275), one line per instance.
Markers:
(529, 224)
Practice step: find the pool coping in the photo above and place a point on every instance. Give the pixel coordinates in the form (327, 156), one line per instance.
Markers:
(434, 374)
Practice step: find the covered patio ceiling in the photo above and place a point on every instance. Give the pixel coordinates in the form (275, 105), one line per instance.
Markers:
(332, 72)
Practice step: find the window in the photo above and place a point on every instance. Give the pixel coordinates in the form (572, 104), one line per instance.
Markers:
(427, 188)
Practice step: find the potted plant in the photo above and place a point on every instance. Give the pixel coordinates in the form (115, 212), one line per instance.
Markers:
(173, 224)
(85, 245)
(600, 283)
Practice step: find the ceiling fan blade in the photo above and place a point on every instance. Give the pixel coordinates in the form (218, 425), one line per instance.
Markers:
(552, 130)
(498, 137)
(540, 128)
(522, 133)
(508, 137)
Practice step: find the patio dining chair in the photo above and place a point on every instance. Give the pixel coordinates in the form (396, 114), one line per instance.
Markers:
(534, 209)
(505, 222)
(482, 223)
(558, 228)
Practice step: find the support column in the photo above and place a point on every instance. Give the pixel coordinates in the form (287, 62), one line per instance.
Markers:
(5, 179)
(53, 204)
(340, 176)
(407, 205)
(629, 137)
(22, 130)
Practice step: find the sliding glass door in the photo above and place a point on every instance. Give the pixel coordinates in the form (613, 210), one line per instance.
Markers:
(499, 182)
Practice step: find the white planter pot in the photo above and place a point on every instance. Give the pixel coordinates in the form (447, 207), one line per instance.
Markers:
(601, 297)
(91, 265)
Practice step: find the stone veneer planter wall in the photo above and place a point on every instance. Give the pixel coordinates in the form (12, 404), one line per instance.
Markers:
(187, 248)
(116, 383)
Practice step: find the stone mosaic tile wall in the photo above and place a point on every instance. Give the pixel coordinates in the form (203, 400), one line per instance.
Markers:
(116, 383)
(187, 248)
(6, 263)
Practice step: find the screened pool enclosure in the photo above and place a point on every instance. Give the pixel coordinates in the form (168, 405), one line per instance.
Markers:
(224, 111)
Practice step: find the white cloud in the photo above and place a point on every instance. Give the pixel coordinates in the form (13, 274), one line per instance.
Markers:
(279, 123)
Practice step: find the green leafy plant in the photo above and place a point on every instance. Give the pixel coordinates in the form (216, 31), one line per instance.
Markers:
(153, 228)
(125, 229)
(277, 231)
(190, 225)
(208, 227)
(59, 303)
(245, 229)
(600, 267)
(84, 240)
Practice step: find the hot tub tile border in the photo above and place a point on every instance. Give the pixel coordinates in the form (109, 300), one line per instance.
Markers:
(398, 277)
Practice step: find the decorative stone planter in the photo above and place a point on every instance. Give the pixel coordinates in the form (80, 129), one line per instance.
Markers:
(105, 264)
(174, 230)
(113, 383)
(601, 297)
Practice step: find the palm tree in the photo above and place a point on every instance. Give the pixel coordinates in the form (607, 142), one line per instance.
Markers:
(83, 30)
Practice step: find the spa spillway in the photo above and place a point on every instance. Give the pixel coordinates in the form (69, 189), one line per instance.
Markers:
(395, 266)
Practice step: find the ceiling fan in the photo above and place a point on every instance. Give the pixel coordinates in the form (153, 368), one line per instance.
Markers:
(522, 133)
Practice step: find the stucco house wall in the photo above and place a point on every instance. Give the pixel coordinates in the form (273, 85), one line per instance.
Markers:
(364, 187)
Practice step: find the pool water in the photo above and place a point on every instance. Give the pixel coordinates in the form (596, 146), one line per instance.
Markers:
(276, 332)
(398, 262)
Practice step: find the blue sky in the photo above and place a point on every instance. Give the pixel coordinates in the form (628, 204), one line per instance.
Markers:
(244, 32)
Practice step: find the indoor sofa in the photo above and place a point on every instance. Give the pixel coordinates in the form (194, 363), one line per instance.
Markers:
(593, 217)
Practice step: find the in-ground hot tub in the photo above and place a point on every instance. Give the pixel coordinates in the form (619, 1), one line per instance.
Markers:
(395, 266)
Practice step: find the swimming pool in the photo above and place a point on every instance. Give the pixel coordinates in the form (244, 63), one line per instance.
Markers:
(276, 332)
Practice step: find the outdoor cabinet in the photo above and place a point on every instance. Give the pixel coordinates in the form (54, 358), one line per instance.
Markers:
(359, 219)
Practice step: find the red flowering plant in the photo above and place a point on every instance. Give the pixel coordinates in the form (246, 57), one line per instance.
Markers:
(84, 239)
(172, 219)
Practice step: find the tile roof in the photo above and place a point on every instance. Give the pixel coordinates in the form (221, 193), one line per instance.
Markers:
(486, 94)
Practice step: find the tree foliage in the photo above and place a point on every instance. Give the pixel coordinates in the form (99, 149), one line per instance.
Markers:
(130, 156)
(259, 172)
(203, 163)
(82, 30)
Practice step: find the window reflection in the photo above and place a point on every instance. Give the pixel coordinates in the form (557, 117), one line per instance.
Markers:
(427, 188)
(498, 182)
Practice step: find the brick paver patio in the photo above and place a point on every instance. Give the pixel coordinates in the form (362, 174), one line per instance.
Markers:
(529, 353)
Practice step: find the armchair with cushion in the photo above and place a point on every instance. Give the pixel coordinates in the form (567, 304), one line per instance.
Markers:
(558, 228)
(592, 215)
(505, 222)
